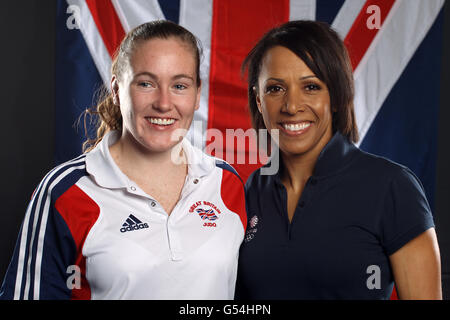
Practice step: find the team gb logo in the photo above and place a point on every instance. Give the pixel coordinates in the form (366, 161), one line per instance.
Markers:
(207, 212)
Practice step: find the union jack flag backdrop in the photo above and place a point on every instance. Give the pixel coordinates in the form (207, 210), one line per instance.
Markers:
(396, 67)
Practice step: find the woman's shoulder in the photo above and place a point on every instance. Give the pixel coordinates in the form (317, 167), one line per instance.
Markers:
(62, 176)
(208, 164)
(383, 167)
(260, 179)
(228, 170)
(69, 165)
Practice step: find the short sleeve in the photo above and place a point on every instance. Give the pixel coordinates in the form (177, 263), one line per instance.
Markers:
(44, 258)
(407, 213)
(43, 252)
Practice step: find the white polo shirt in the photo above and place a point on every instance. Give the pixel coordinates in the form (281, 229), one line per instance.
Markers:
(92, 233)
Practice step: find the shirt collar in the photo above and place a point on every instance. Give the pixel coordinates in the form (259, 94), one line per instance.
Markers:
(199, 163)
(101, 166)
(334, 157)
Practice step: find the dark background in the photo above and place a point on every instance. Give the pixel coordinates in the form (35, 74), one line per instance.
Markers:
(27, 94)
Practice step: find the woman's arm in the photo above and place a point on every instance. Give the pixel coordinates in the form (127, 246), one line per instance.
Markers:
(417, 268)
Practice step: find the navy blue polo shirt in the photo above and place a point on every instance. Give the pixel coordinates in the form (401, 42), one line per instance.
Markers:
(355, 210)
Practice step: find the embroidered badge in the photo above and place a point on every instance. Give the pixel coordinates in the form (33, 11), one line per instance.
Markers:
(251, 231)
(207, 212)
(253, 221)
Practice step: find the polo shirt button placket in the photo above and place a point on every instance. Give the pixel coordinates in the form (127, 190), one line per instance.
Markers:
(175, 247)
(158, 210)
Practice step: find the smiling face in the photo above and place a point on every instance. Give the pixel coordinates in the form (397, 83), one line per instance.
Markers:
(293, 100)
(157, 93)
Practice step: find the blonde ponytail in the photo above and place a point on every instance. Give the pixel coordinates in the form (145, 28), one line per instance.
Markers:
(108, 118)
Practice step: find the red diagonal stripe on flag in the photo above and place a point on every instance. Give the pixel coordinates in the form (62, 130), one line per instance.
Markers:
(108, 23)
(360, 37)
(236, 27)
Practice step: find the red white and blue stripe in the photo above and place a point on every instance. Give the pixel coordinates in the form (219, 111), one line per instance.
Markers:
(29, 258)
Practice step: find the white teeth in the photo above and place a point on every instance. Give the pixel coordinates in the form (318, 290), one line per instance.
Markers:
(162, 122)
(297, 126)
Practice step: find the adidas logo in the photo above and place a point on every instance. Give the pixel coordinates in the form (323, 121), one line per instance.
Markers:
(132, 223)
